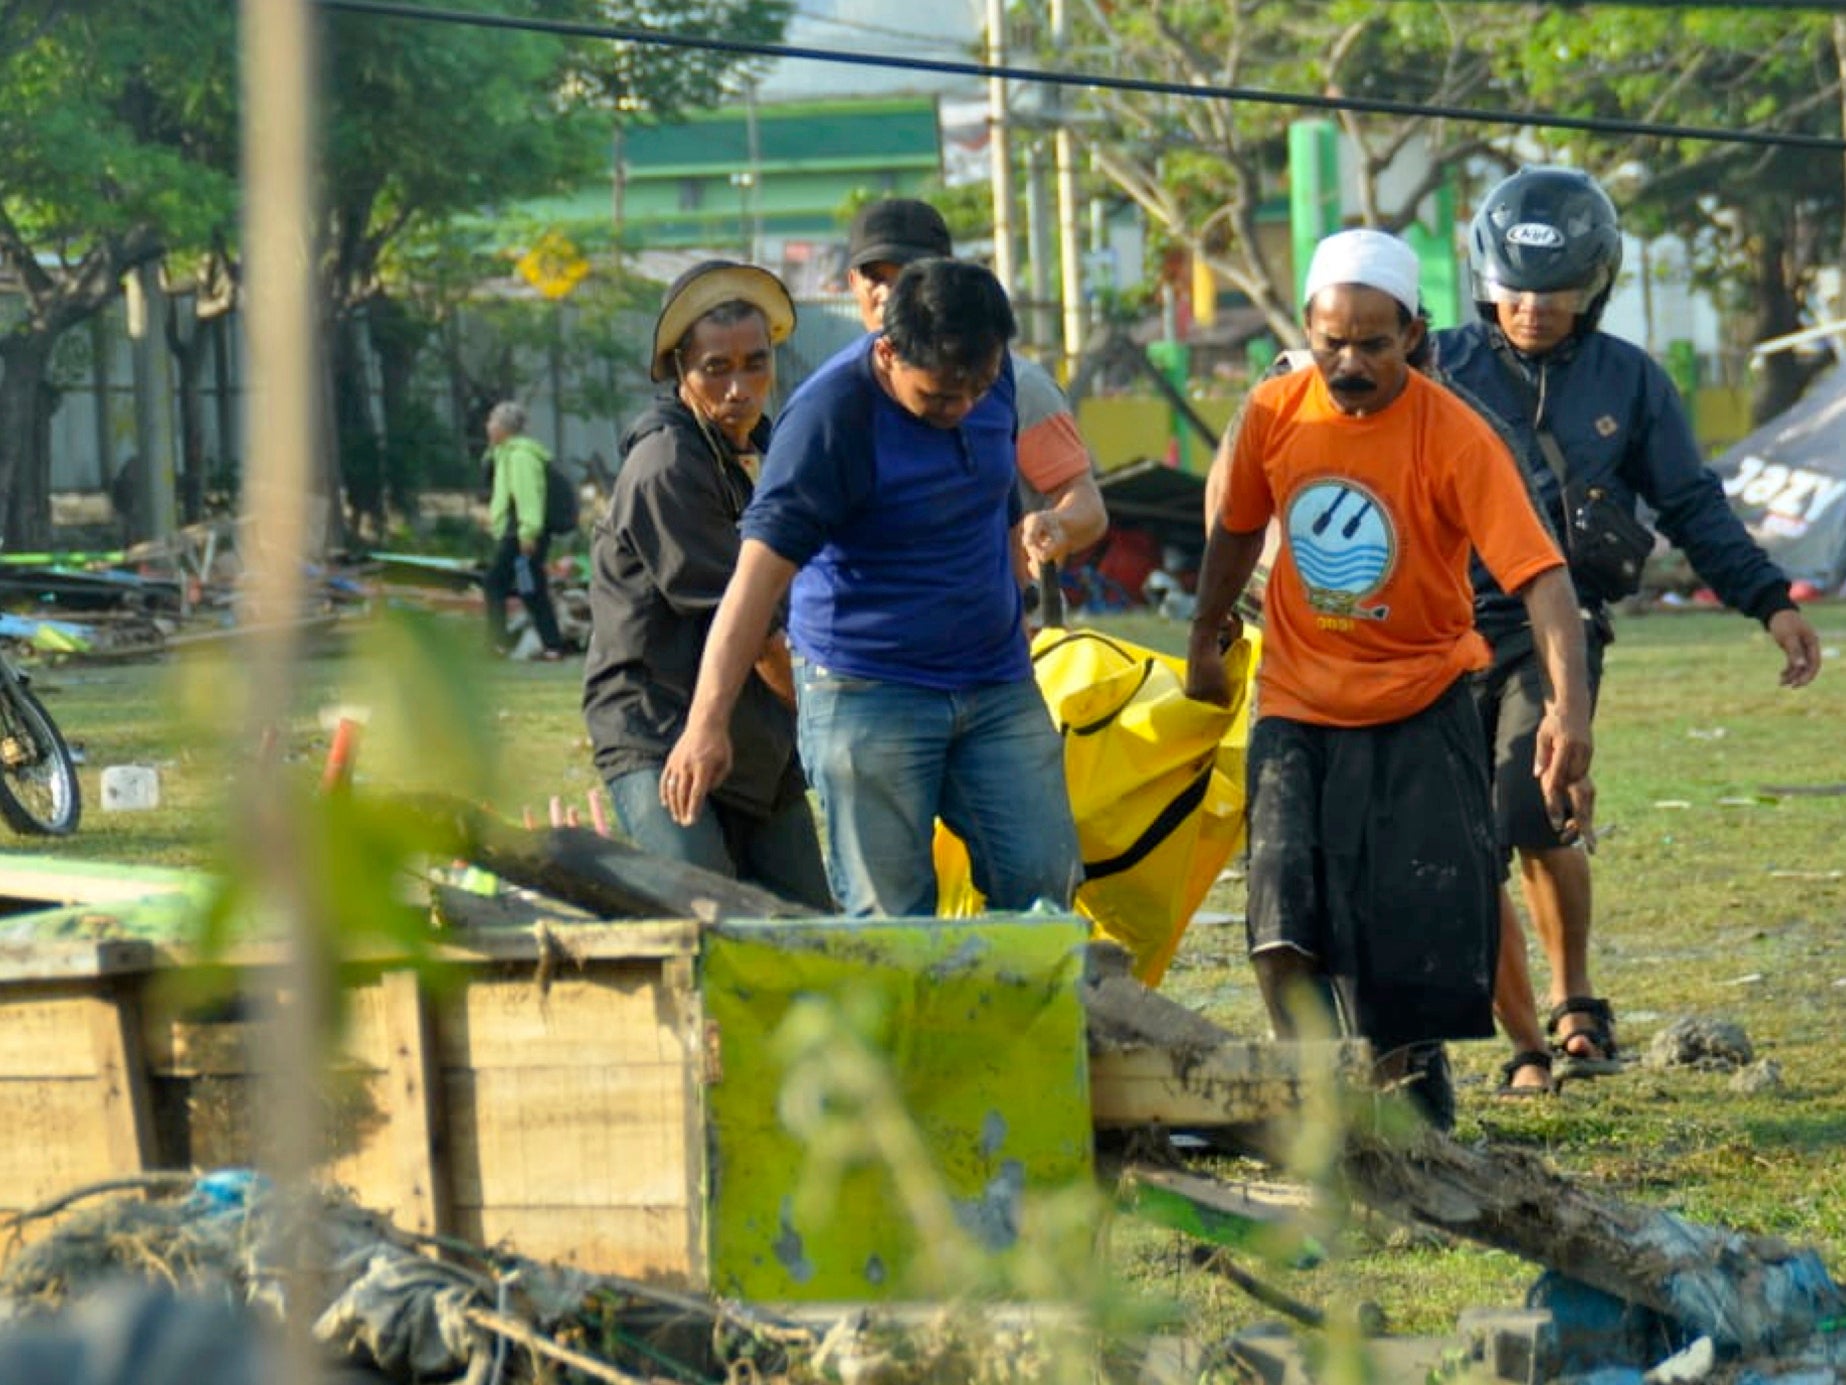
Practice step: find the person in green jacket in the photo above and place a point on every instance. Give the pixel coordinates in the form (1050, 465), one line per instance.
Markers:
(516, 518)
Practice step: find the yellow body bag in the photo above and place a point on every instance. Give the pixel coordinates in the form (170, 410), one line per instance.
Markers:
(1156, 783)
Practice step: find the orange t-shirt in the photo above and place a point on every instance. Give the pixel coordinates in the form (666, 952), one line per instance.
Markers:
(1369, 615)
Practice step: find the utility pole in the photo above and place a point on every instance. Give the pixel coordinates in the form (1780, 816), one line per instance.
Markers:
(155, 515)
(1038, 245)
(999, 147)
(754, 148)
(1064, 154)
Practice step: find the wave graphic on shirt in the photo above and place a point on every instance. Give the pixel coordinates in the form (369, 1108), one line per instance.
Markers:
(1344, 545)
(1347, 570)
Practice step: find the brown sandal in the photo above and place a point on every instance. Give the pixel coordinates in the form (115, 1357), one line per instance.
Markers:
(1599, 1032)
(1525, 1058)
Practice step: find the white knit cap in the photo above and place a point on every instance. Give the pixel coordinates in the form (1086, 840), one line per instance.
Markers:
(1366, 257)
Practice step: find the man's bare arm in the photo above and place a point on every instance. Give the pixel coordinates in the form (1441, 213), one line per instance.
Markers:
(1564, 744)
(701, 758)
(1230, 558)
(1075, 518)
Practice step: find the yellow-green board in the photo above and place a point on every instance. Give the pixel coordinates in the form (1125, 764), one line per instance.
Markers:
(884, 1089)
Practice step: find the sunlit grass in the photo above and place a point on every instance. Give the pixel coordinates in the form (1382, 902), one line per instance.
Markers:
(1706, 907)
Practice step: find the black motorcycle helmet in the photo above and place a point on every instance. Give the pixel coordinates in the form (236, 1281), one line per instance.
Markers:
(1545, 229)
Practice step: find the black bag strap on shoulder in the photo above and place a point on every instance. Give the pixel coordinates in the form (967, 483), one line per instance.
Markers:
(1547, 443)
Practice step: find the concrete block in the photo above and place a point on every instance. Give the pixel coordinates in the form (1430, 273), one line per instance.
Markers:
(130, 788)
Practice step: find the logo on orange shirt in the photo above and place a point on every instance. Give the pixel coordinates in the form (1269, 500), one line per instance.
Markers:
(1344, 546)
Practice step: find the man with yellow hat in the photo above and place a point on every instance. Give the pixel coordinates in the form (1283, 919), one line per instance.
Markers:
(661, 557)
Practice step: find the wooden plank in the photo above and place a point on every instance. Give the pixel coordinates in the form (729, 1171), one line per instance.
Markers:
(185, 1043)
(1265, 1216)
(44, 1032)
(644, 1243)
(60, 880)
(566, 943)
(185, 1048)
(222, 1113)
(614, 1014)
(1240, 1082)
(582, 1136)
(29, 961)
(411, 1113)
(686, 1013)
(51, 1140)
(124, 1108)
(574, 942)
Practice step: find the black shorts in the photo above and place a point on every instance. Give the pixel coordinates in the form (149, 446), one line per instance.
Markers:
(1509, 696)
(1372, 851)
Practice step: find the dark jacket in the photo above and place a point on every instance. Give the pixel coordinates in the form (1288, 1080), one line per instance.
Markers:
(1620, 424)
(660, 559)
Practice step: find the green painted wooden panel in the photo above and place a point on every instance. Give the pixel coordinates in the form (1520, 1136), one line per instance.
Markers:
(980, 1028)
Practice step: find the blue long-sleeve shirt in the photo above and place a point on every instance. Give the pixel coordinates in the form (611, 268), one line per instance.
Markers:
(1620, 425)
(901, 531)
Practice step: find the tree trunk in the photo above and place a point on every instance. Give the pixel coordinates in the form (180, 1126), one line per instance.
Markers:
(188, 348)
(397, 340)
(358, 477)
(25, 431)
(229, 457)
(609, 878)
(1777, 313)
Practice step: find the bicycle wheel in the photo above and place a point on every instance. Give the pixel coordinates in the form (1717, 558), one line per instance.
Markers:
(38, 778)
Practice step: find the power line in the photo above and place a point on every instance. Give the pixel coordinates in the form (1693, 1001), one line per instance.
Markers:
(1144, 86)
(910, 36)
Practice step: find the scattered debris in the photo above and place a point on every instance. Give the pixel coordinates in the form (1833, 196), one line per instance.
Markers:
(412, 1308)
(186, 590)
(1712, 1045)
(130, 788)
(1759, 1079)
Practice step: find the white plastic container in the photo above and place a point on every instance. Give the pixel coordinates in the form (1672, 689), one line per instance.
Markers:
(130, 788)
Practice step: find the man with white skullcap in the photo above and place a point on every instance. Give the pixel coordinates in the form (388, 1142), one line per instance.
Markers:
(1373, 869)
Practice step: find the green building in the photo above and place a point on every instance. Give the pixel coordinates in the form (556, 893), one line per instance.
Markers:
(764, 180)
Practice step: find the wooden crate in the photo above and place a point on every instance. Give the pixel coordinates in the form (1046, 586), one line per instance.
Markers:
(599, 1094)
(542, 1095)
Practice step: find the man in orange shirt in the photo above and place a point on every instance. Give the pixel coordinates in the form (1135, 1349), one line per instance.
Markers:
(1374, 874)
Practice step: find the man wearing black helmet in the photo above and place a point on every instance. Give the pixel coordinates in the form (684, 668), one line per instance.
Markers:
(1543, 252)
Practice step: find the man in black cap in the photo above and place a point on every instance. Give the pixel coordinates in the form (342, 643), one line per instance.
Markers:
(1053, 461)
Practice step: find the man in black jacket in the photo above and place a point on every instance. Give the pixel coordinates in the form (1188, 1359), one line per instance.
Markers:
(1544, 251)
(661, 557)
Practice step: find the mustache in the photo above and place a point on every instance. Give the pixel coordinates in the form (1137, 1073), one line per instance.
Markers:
(1351, 384)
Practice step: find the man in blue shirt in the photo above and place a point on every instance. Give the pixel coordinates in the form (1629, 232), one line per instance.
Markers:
(888, 512)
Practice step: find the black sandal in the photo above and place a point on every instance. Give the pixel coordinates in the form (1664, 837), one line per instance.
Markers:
(1525, 1058)
(1599, 1032)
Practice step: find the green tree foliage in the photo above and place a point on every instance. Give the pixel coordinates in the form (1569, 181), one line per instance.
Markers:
(430, 124)
(1210, 172)
(116, 145)
(662, 81)
(1760, 221)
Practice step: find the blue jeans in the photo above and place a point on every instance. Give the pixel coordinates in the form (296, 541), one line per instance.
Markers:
(889, 758)
(780, 852)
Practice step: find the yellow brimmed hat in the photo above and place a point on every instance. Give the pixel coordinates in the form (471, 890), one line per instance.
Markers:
(706, 286)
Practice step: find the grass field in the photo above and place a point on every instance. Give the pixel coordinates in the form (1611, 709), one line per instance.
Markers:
(1721, 892)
